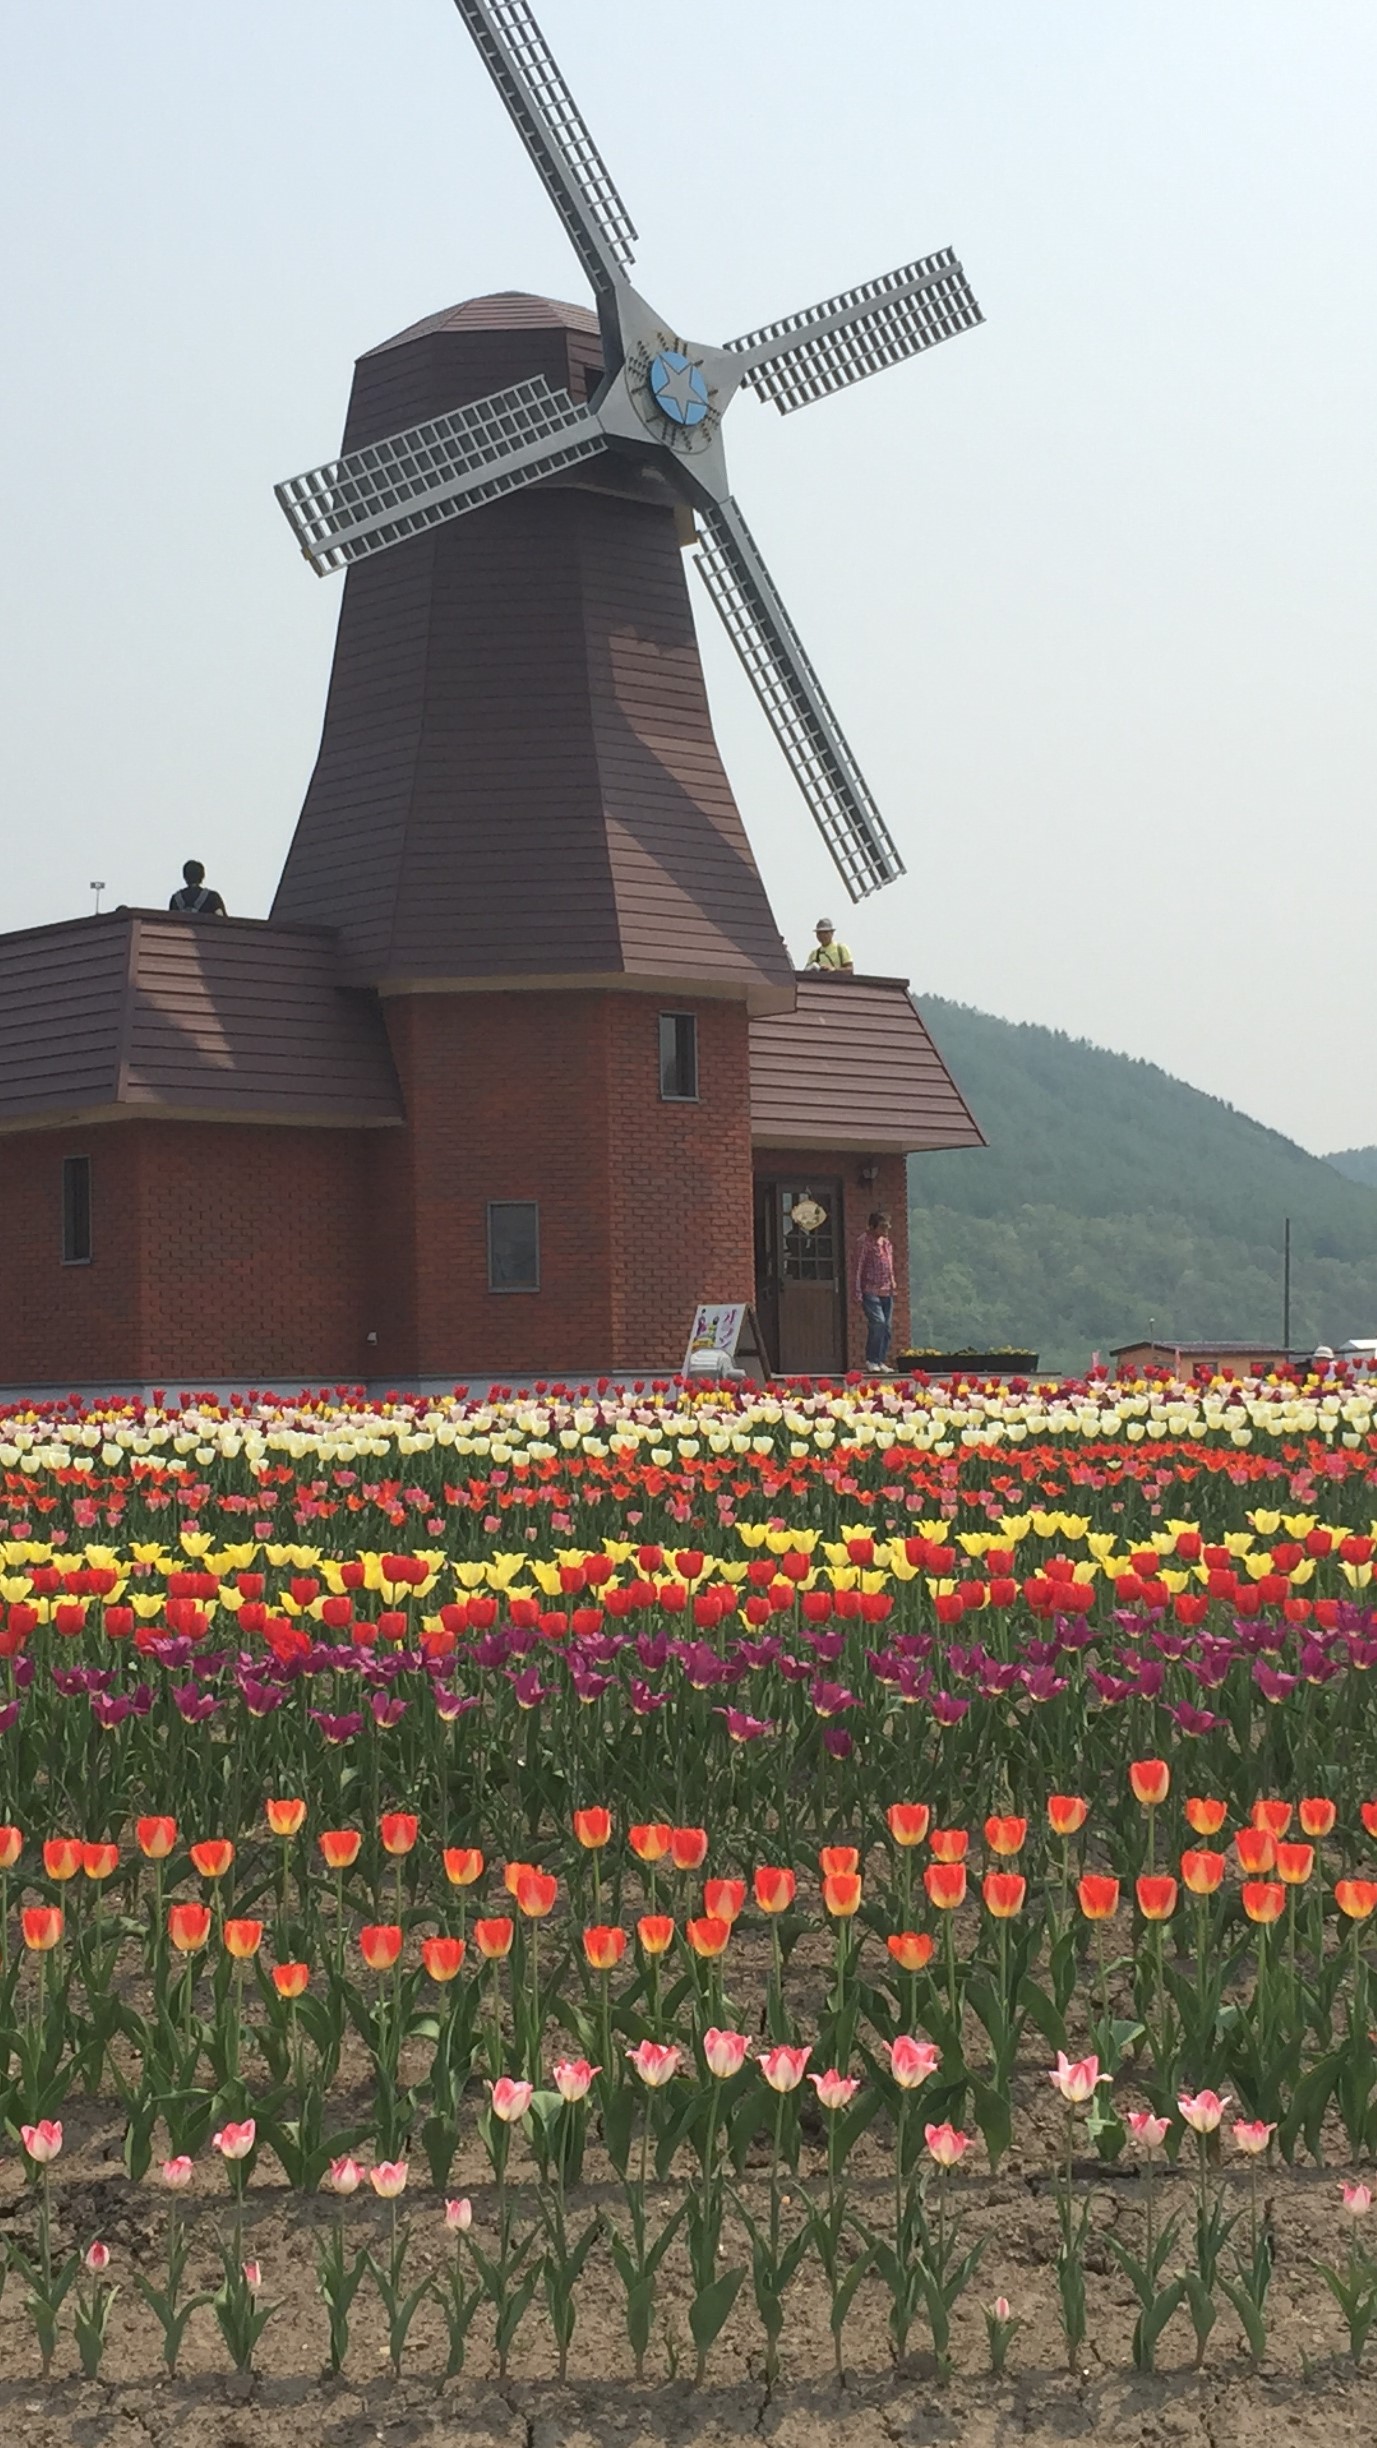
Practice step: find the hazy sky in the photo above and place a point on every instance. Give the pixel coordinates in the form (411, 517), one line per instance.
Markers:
(1092, 589)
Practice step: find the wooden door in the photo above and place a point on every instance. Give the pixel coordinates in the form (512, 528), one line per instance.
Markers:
(800, 1257)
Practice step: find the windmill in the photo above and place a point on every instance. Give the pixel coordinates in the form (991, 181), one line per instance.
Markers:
(662, 401)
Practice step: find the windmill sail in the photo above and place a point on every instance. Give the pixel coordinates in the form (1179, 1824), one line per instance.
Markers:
(791, 693)
(830, 346)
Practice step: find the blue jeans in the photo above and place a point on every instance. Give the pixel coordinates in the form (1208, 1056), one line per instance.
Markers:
(879, 1325)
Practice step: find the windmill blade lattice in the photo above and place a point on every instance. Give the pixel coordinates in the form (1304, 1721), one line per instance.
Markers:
(396, 488)
(789, 689)
(551, 126)
(830, 346)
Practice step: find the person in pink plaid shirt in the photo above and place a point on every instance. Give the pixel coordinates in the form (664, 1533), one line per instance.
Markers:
(875, 1289)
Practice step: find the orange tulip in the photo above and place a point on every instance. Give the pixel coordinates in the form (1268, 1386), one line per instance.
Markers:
(1150, 1780)
(1367, 1811)
(839, 1861)
(100, 1860)
(908, 1822)
(62, 1857)
(841, 1894)
(1295, 1863)
(493, 1939)
(592, 1828)
(155, 1837)
(1004, 1891)
(380, 1943)
(946, 1884)
(723, 1898)
(1098, 1896)
(535, 1893)
(398, 1831)
(1005, 1836)
(1356, 1897)
(290, 1979)
(1156, 1897)
(42, 1926)
(285, 1818)
(1066, 1814)
(1205, 1815)
(512, 1874)
(948, 1844)
(442, 1957)
(603, 1947)
(11, 1846)
(1263, 1900)
(1317, 1815)
(340, 1847)
(775, 1890)
(651, 1842)
(656, 1932)
(463, 1865)
(911, 1949)
(243, 1938)
(1203, 1873)
(212, 1859)
(1257, 1851)
(708, 1936)
(1274, 1816)
(688, 1847)
(188, 1926)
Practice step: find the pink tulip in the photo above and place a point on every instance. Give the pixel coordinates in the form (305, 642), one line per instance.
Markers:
(176, 2173)
(946, 2144)
(1203, 2113)
(1251, 2135)
(1357, 2198)
(388, 2178)
(573, 2077)
(1002, 2309)
(235, 2141)
(253, 2276)
(834, 2090)
(656, 2061)
(1076, 2082)
(912, 2061)
(42, 2141)
(782, 2066)
(725, 2052)
(97, 2259)
(510, 2100)
(345, 2175)
(1148, 2129)
(459, 2215)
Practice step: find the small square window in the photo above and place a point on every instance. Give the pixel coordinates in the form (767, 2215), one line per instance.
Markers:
(679, 1056)
(513, 1245)
(76, 1210)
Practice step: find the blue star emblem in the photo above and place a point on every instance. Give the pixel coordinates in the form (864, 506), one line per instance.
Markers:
(678, 389)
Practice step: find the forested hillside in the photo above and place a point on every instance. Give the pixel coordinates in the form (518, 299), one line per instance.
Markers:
(1111, 1196)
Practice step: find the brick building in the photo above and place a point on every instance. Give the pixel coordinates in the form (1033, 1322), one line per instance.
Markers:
(519, 1070)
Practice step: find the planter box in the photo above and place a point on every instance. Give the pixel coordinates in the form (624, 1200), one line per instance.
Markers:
(968, 1363)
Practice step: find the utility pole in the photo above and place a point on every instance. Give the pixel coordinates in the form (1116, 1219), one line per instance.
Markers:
(1286, 1287)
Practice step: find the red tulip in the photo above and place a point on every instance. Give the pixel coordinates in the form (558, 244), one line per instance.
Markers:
(604, 1947)
(1263, 1900)
(493, 1939)
(1317, 1816)
(398, 1830)
(212, 1858)
(651, 1843)
(442, 1957)
(99, 1861)
(285, 1818)
(1150, 1780)
(656, 1932)
(1005, 1836)
(1156, 1897)
(948, 1844)
(243, 1938)
(62, 1857)
(290, 1979)
(708, 1936)
(688, 1847)
(380, 1944)
(155, 1837)
(340, 1847)
(1098, 1896)
(188, 1926)
(592, 1827)
(841, 1894)
(908, 1822)
(535, 1892)
(774, 1889)
(1203, 1873)
(1066, 1814)
(463, 1865)
(42, 1926)
(946, 1884)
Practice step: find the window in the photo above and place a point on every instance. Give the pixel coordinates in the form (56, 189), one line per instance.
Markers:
(76, 1210)
(513, 1245)
(679, 1056)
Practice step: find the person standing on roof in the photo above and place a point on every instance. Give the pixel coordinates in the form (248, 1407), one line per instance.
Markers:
(829, 956)
(875, 1289)
(196, 899)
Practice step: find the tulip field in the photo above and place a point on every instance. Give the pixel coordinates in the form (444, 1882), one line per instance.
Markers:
(677, 1882)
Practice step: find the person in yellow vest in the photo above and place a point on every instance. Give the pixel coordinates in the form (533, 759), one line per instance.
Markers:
(828, 955)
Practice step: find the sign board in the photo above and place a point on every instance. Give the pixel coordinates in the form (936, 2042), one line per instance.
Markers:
(724, 1340)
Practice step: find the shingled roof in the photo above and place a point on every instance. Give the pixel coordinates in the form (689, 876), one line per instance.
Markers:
(141, 1012)
(854, 1067)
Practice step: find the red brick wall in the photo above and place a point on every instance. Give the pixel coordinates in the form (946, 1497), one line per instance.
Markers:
(644, 1205)
(889, 1190)
(218, 1250)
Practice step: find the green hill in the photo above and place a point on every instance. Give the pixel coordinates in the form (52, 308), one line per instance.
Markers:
(1111, 1195)
(1360, 1164)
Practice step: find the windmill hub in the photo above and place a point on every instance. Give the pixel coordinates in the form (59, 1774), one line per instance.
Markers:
(679, 389)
